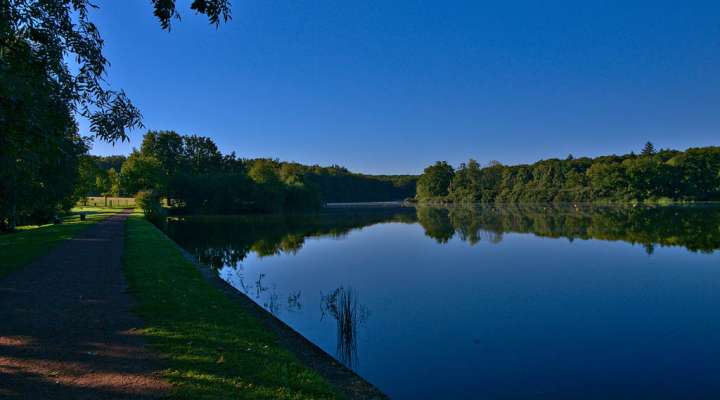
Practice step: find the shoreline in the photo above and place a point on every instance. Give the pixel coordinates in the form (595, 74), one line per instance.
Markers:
(447, 203)
(344, 380)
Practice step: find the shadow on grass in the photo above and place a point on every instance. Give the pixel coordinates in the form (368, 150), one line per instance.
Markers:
(210, 346)
(29, 243)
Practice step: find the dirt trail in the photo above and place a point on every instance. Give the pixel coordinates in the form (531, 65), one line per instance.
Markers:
(66, 329)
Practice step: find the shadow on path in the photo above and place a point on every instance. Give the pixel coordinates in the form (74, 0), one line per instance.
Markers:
(66, 329)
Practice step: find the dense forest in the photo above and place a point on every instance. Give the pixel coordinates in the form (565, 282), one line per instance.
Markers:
(651, 176)
(198, 178)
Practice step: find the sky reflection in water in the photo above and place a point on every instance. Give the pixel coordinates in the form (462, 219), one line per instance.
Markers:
(497, 302)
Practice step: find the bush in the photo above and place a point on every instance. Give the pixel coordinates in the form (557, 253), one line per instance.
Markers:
(149, 201)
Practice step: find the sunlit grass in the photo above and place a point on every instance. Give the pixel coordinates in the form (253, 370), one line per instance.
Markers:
(33, 241)
(211, 347)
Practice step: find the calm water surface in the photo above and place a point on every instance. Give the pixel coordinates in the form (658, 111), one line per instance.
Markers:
(490, 302)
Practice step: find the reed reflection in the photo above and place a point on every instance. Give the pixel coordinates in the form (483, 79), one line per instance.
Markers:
(425, 271)
(343, 305)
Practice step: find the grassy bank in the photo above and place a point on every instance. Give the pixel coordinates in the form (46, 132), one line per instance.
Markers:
(211, 348)
(31, 242)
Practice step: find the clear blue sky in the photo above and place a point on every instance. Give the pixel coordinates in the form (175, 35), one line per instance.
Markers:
(392, 86)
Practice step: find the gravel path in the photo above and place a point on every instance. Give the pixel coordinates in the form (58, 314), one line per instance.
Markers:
(66, 329)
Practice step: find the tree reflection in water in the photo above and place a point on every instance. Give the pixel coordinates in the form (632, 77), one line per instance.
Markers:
(227, 241)
(694, 227)
(344, 306)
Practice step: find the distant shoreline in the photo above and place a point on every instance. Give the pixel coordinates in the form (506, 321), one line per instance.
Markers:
(398, 203)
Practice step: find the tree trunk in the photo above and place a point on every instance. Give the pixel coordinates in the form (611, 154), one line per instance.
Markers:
(12, 223)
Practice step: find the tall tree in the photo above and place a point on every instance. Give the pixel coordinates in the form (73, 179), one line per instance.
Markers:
(201, 154)
(114, 183)
(40, 96)
(141, 172)
(39, 142)
(166, 146)
(87, 178)
(435, 181)
(648, 150)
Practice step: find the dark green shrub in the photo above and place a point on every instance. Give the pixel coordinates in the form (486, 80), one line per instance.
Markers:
(149, 202)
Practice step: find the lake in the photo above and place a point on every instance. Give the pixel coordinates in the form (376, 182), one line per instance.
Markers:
(497, 302)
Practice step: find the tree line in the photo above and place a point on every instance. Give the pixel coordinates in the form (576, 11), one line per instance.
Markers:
(44, 167)
(651, 176)
(41, 97)
(196, 177)
(190, 172)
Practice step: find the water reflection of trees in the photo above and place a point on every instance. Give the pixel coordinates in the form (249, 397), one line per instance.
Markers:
(436, 222)
(344, 306)
(696, 227)
(226, 241)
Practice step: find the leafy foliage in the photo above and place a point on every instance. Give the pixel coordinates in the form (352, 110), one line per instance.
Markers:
(648, 150)
(216, 10)
(39, 143)
(46, 32)
(435, 180)
(666, 175)
(142, 172)
(40, 95)
(197, 177)
(87, 178)
(149, 201)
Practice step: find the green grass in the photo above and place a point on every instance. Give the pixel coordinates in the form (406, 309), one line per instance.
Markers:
(33, 241)
(211, 347)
